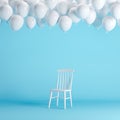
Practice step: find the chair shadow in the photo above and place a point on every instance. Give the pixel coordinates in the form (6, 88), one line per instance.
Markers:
(34, 103)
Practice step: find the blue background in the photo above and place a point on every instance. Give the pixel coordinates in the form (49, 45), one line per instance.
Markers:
(29, 60)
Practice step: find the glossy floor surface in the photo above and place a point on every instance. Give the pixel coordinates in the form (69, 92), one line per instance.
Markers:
(81, 110)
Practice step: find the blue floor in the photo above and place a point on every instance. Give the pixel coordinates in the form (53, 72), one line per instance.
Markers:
(81, 110)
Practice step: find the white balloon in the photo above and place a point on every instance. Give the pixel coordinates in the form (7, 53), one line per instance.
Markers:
(52, 17)
(32, 2)
(89, 2)
(109, 23)
(73, 16)
(63, 7)
(98, 4)
(68, 1)
(83, 11)
(16, 22)
(22, 9)
(65, 23)
(104, 11)
(111, 1)
(14, 3)
(92, 16)
(81, 1)
(31, 22)
(3, 2)
(116, 11)
(5, 12)
(40, 10)
(52, 3)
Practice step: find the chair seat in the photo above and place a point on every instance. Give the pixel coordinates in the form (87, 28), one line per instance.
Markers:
(61, 90)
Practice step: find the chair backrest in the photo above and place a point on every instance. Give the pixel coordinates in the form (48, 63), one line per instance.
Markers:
(65, 78)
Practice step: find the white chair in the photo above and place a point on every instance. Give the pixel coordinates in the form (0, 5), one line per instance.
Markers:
(64, 84)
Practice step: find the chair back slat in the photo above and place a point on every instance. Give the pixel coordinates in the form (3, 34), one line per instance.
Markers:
(65, 77)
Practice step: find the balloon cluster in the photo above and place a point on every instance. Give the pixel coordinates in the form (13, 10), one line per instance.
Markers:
(104, 13)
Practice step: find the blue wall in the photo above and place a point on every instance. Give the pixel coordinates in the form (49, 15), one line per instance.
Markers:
(29, 60)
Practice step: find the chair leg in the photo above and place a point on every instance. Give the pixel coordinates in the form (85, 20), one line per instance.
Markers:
(64, 99)
(57, 99)
(50, 99)
(70, 98)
